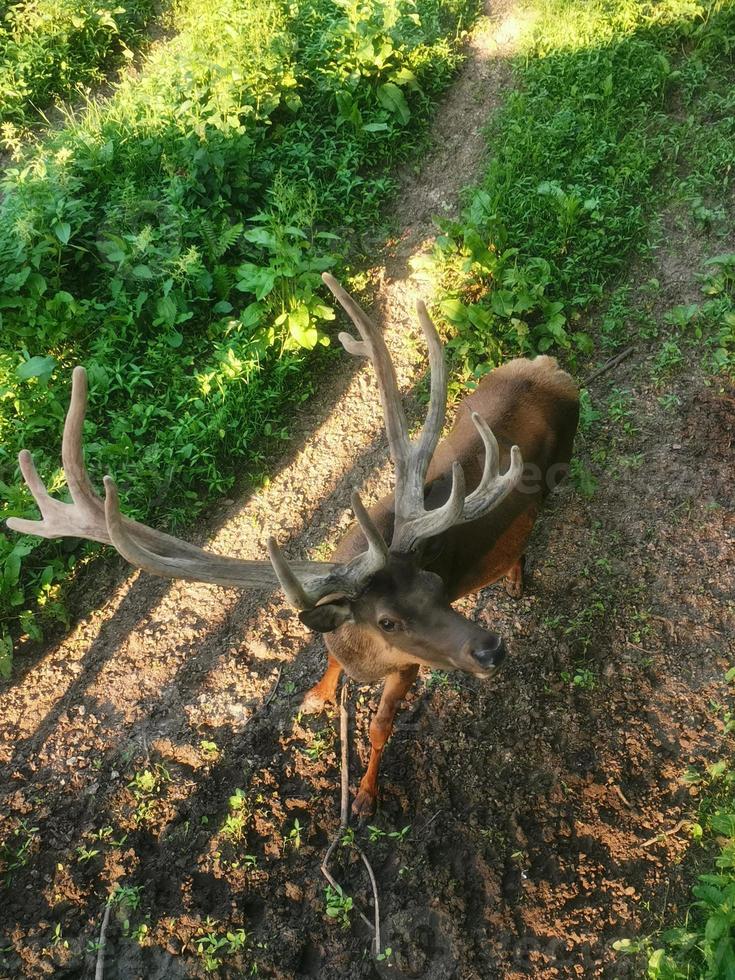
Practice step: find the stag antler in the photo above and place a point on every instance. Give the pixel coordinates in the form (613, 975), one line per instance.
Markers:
(89, 516)
(413, 522)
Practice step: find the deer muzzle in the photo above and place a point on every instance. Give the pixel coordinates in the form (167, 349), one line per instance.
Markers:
(489, 653)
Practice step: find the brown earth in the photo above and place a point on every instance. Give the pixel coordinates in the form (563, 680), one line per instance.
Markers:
(540, 810)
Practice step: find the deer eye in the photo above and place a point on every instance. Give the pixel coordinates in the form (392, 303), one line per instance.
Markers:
(387, 625)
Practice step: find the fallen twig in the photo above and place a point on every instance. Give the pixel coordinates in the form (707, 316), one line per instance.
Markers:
(344, 820)
(100, 966)
(665, 833)
(619, 791)
(274, 688)
(609, 365)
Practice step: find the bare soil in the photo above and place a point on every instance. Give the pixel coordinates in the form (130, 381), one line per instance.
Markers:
(540, 810)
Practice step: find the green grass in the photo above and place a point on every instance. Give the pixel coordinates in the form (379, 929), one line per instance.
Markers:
(172, 238)
(50, 49)
(618, 107)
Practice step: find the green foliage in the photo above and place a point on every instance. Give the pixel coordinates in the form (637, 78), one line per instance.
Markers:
(52, 48)
(565, 198)
(172, 238)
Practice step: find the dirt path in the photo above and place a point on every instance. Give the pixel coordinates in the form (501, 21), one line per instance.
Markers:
(531, 803)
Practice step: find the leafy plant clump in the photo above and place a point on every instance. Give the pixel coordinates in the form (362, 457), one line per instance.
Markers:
(592, 136)
(51, 48)
(172, 240)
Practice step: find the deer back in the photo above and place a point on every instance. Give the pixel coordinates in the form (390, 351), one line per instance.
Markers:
(529, 403)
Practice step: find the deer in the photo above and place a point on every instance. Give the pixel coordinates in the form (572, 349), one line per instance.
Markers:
(459, 519)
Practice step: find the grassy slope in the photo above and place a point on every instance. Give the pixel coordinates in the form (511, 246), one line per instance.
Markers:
(623, 112)
(585, 147)
(172, 241)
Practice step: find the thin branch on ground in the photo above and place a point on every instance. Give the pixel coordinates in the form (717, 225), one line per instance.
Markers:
(609, 365)
(99, 969)
(344, 820)
(274, 688)
(622, 796)
(665, 833)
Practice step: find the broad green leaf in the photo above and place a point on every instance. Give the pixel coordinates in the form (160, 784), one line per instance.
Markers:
(36, 367)
(300, 328)
(62, 230)
(260, 236)
(392, 99)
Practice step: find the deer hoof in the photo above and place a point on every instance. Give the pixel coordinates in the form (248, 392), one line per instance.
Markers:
(363, 805)
(514, 588)
(314, 702)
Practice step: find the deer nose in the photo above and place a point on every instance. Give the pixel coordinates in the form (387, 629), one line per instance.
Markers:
(490, 653)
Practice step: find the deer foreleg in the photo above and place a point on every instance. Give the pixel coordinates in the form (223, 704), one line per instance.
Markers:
(514, 578)
(395, 689)
(324, 691)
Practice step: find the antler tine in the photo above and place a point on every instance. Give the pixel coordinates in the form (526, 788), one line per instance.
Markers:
(373, 346)
(292, 587)
(72, 455)
(438, 397)
(345, 579)
(411, 459)
(429, 523)
(493, 487)
(376, 545)
(85, 516)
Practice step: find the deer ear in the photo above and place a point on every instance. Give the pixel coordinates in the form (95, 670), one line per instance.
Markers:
(327, 617)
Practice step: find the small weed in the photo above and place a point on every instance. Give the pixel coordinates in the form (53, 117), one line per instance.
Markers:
(15, 851)
(321, 744)
(211, 947)
(85, 854)
(209, 750)
(621, 410)
(147, 786)
(582, 677)
(293, 838)
(669, 401)
(667, 362)
(437, 679)
(234, 826)
(128, 896)
(376, 834)
(339, 905)
(57, 937)
(583, 478)
(106, 835)
(588, 414)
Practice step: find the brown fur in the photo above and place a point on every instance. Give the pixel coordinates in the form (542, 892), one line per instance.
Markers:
(529, 403)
